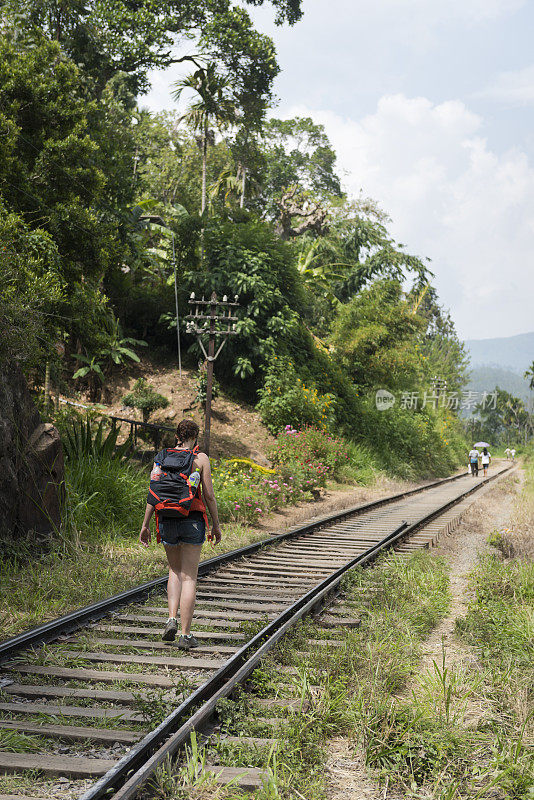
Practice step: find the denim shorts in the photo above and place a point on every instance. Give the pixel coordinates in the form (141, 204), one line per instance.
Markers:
(189, 530)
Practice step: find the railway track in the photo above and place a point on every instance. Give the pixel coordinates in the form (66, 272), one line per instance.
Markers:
(82, 696)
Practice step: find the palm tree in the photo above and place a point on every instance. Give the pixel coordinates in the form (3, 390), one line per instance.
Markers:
(530, 374)
(214, 104)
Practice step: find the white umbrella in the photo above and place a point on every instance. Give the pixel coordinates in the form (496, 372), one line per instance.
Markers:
(481, 444)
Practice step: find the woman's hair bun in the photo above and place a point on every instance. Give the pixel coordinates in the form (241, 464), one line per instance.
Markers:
(187, 430)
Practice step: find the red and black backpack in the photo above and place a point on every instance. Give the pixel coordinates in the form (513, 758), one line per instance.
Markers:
(170, 490)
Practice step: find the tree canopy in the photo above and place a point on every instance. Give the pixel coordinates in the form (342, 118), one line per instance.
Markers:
(101, 202)
(105, 39)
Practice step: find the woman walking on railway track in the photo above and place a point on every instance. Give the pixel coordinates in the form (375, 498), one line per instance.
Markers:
(486, 458)
(175, 495)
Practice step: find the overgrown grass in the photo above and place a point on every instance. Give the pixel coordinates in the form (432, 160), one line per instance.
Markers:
(12, 741)
(104, 491)
(499, 625)
(466, 731)
(517, 541)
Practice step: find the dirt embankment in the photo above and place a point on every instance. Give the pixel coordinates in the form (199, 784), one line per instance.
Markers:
(236, 428)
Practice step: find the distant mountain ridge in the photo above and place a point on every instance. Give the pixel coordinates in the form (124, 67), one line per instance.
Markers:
(513, 353)
(501, 362)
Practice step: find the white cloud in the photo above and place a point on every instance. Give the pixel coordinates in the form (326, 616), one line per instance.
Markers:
(451, 198)
(473, 11)
(514, 88)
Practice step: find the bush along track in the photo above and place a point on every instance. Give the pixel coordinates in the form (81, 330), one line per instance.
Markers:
(303, 462)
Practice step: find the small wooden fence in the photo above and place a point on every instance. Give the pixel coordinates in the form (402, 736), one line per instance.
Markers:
(157, 431)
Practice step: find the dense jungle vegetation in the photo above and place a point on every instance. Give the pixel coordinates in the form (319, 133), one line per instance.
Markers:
(95, 192)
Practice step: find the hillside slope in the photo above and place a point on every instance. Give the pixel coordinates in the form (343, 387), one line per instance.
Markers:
(514, 353)
(501, 362)
(236, 429)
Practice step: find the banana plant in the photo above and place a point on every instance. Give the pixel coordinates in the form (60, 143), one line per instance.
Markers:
(161, 254)
(119, 348)
(319, 273)
(92, 371)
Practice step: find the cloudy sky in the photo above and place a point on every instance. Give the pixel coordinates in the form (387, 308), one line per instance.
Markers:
(430, 107)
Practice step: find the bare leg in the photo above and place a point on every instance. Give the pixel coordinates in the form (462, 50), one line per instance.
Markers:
(188, 577)
(174, 584)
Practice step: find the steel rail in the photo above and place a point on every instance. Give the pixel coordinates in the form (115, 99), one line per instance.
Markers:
(68, 623)
(144, 758)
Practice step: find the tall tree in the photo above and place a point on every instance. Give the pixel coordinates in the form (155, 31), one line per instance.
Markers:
(444, 352)
(299, 180)
(59, 157)
(215, 105)
(299, 153)
(32, 292)
(66, 169)
(120, 36)
(505, 420)
(529, 374)
(247, 58)
(359, 238)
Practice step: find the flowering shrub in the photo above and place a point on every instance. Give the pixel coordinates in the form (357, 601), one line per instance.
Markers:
(247, 462)
(303, 461)
(314, 454)
(285, 398)
(245, 494)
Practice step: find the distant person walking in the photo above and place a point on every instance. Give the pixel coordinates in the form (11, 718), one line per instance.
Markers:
(175, 495)
(486, 458)
(512, 453)
(507, 453)
(473, 461)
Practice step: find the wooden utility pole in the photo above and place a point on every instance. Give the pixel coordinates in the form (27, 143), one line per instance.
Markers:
(177, 308)
(212, 318)
(209, 374)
